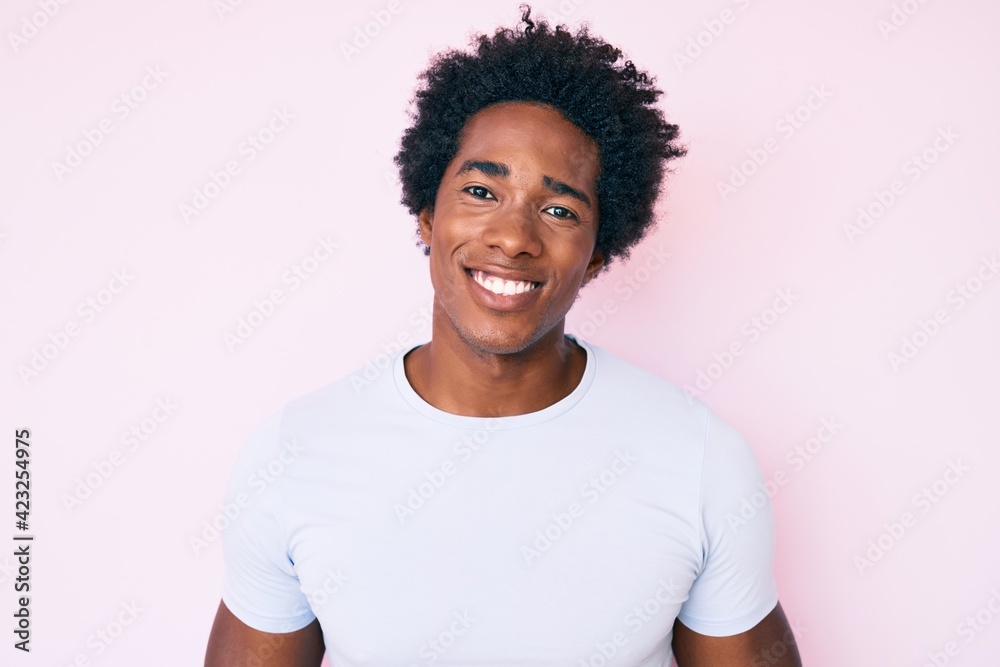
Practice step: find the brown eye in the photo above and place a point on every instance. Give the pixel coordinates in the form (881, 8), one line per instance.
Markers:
(562, 212)
(479, 192)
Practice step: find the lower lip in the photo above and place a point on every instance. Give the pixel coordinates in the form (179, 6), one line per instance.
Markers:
(505, 302)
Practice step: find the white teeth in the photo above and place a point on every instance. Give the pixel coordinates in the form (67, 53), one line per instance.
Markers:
(501, 286)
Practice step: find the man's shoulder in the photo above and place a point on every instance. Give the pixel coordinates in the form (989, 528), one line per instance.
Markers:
(721, 437)
(349, 397)
(618, 376)
(364, 389)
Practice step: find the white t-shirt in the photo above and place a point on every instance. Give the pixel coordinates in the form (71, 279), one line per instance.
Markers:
(574, 535)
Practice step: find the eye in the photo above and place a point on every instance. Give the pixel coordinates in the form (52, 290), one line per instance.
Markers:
(562, 212)
(479, 192)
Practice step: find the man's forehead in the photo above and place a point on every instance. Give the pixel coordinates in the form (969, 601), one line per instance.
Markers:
(523, 117)
(509, 136)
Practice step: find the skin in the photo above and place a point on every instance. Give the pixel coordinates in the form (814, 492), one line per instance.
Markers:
(479, 360)
(521, 193)
(233, 643)
(770, 642)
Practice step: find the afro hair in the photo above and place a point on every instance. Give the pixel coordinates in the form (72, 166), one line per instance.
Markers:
(582, 76)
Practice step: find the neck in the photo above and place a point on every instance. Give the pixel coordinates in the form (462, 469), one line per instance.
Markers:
(458, 378)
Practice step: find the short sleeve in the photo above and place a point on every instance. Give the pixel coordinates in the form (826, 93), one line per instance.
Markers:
(260, 586)
(735, 589)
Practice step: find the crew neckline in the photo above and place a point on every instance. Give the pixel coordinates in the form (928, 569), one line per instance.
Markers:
(513, 421)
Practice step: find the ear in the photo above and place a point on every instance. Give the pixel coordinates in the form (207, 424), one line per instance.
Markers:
(594, 267)
(425, 221)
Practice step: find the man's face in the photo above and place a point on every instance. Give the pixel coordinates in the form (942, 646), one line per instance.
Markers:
(517, 210)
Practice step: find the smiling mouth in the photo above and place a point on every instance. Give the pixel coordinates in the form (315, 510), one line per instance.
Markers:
(500, 286)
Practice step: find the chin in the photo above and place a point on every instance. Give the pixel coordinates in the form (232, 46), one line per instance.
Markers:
(498, 342)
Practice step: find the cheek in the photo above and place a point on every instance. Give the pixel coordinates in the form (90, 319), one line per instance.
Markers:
(583, 250)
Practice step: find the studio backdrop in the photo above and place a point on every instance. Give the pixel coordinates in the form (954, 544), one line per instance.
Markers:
(200, 220)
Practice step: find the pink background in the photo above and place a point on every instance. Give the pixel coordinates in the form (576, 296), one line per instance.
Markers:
(886, 97)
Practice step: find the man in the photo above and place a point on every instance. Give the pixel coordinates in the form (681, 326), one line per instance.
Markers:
(506, 494)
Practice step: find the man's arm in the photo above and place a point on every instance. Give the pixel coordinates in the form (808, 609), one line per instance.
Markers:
(233, 643)
(769, 640)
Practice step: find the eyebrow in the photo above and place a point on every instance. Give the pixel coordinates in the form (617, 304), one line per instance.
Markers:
(501, 170)
(561, 188)
(487, 167)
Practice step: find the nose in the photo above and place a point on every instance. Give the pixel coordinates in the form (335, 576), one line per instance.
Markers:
(514, 231)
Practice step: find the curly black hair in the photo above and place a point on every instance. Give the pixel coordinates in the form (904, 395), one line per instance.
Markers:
(580, 75)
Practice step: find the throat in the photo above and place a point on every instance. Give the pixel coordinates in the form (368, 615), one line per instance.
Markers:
(462, 388)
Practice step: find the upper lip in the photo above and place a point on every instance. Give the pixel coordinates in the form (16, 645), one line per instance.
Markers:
(501, 272)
